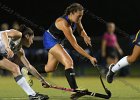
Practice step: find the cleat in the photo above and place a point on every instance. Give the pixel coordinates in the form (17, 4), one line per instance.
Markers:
(39, 97)
(110, 74)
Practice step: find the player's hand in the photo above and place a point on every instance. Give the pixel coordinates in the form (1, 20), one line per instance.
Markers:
(93, 60)
(87, 40)
(10, 53)
(45, 84)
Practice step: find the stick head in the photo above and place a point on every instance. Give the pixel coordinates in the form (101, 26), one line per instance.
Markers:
(108, 93)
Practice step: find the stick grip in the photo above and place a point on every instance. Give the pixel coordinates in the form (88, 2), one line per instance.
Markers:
(62, 88)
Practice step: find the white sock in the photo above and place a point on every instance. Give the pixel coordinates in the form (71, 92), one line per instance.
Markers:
(120, 64)
(25, 86)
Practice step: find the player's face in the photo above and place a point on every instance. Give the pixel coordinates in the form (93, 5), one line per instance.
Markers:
(77, 16)
(28, 40)
(111, 27)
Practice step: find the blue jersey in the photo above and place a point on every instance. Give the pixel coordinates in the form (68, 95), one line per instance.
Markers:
(58, 33)
(54, 36)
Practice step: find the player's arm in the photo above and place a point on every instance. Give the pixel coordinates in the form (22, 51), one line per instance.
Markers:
(13, 34)
(5, 40)
(30, 68)
(118, 48)
(83, 34)
(103, 51)
(66, 28)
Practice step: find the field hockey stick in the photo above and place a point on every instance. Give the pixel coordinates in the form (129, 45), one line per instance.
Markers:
(86, 92)
(80, 91)
(100, 75)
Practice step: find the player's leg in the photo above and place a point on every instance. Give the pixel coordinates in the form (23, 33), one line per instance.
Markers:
(51, 64)
(135, 55)
(12, 67)
(111, 55)
(49, 67)
(111, 59)
(24, 70)
(122, 63)
(8, 65)
(128, 59)
(62, 56)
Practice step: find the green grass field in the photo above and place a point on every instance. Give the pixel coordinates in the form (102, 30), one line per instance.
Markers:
(122, 88)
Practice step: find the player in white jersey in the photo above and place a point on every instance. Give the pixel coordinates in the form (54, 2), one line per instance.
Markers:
(11, 42)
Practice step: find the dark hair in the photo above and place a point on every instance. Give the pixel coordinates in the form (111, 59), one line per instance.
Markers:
(73, 8)
(25, 30)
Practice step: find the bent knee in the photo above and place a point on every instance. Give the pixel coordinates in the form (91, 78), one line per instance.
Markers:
(15, 69)
(49, 68)
(68, 64)
(131, 59)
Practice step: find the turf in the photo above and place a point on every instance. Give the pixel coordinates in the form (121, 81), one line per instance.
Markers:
(122, 88)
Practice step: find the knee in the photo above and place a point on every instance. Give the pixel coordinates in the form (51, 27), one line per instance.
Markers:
(131, 59)
(15, 69)
(49, 68)
(68, 64)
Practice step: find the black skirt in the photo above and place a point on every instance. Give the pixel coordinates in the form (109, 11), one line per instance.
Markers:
(111, 52)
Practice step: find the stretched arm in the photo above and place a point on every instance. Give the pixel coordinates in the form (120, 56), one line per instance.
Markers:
(66, 28)
(83, 34)
(30, 68)
(80, 29)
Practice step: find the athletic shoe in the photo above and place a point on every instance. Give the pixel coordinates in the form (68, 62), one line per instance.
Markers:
(39, 97)
(79, 94)
(110, 74)
(24, 72)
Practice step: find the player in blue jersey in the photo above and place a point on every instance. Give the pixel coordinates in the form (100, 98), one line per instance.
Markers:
(62, 28)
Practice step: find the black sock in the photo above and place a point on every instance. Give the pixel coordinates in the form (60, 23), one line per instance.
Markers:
(18, 78)
(70, 75)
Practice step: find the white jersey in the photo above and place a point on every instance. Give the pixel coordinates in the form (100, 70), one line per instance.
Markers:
(15, 45)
